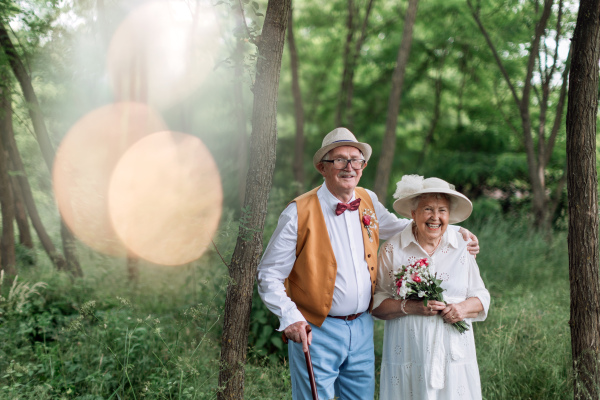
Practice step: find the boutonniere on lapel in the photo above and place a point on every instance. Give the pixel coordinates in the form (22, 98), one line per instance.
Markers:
(369, 220)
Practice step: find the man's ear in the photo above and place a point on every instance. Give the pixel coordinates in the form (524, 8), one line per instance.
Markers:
(321, 167)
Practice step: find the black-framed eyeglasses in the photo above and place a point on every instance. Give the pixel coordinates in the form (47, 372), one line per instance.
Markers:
(342, 163)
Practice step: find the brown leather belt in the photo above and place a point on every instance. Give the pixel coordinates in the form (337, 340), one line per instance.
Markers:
(350, 317)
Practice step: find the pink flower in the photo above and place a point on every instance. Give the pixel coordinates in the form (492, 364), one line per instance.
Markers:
(416, 278)
(367, 220)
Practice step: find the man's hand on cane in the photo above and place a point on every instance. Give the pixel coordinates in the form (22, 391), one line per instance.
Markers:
(297, 332)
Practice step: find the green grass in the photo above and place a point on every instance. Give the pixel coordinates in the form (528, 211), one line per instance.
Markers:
(104, 338)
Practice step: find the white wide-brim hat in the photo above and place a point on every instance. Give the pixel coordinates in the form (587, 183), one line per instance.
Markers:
(337, 138)
(411, 186)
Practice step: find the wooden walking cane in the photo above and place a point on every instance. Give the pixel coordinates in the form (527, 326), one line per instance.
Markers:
(309, 367)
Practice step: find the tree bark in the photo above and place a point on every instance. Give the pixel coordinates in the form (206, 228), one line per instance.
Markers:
(352, 68)
(298, 163)
(42, 136)
(23, 186)
(8, 260)
(245, 258)
(344, 116)
(434, 120)
(21, 217)
(582, 186)
(239, 110)
(388, 147)
(6, 135)
(340, 115)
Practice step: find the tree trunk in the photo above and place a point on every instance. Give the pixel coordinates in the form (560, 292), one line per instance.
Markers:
(8, 258)
(340, 115)
(434, 120)
(352, 67)
(42, 136)
(536, 161)
(133, 272)
(582, 185)
(6, 135)
(240, 113)
(23, 186)
(298, 164)
(245, 258)
(388, 147)
(21, 217)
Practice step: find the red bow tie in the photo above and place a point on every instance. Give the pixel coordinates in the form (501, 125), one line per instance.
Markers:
(352, 206)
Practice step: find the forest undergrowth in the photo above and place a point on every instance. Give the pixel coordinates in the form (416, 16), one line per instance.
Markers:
(103, 337)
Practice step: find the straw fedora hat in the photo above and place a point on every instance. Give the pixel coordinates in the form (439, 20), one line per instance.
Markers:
(411, 186)
(337, 138)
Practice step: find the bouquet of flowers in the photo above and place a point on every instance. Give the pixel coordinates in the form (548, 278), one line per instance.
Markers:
(416, 282)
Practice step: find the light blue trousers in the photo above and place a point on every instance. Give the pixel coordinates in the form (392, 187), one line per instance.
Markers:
(343, 360)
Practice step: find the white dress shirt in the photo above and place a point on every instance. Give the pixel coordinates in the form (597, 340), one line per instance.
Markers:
(352, 292)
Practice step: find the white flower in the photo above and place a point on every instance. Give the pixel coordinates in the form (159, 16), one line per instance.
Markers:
(421, 293)
(403, 291)
(409, 184)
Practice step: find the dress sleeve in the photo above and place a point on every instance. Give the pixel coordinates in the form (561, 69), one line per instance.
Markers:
(385, 281)
(477, 288)
(276, 264)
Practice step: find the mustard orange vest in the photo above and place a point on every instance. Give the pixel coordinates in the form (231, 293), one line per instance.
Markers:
(311, 283)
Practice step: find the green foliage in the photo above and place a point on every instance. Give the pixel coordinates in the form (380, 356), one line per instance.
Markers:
(160, 338)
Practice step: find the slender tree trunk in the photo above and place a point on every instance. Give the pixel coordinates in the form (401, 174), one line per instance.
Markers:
(8, 258)
(41, 133)
(582, 186)
(298, 164)
(240, 112)
(536, 161)
(23, 186)
(6, 135)
(263, 143)
(434, 120)
(352, 67)
(21, 217)
(340, 115)
(133, 271)
(388, 147)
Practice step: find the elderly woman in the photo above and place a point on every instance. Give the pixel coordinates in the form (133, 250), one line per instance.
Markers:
(424, 356)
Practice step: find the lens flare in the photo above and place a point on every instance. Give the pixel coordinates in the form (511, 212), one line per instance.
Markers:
(165, 198)
(162, 52)
(84, 163)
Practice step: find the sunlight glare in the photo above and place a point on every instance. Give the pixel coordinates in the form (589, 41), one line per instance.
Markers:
(84, 163)
(162, 52)
(165, 198)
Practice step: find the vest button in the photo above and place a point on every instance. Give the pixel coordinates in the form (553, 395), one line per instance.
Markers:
(368, 256)
(372, 268)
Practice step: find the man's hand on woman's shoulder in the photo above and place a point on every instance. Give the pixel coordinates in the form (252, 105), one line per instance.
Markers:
(473, 245)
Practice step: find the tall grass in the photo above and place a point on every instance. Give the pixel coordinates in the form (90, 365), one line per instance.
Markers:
(105, 338)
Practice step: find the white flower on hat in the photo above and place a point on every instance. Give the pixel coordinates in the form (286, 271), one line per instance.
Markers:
(409, 184)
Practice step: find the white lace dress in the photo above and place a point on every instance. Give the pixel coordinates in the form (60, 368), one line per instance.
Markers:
(423, 357)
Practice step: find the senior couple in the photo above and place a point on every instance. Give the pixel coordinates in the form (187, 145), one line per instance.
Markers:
(321, 269)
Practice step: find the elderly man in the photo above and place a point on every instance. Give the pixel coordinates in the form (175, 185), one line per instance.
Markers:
(320, 268)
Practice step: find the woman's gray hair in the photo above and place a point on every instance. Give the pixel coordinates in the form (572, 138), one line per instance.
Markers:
(415, 200)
